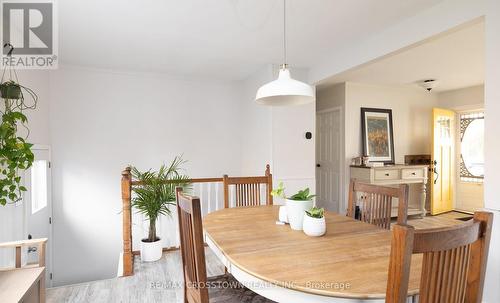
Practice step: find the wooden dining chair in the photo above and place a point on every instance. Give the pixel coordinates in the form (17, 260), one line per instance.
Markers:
(192, 246)
(376, 203)
(454, 261)
(248, 189)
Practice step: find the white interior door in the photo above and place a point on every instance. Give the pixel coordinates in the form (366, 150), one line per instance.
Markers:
(328, 159)
(38, 206)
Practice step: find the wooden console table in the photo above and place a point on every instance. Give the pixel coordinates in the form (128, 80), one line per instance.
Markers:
(24, 284)
(394, 175)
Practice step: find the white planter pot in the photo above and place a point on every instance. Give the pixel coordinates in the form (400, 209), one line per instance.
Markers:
(295, 211)
(151, 251)
(283, 217)
(314, 227)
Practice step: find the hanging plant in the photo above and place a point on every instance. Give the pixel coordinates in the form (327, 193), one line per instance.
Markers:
(15, 153)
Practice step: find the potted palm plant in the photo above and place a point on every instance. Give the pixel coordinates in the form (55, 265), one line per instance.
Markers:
(296, 205)
(314, 222)
(153, 198)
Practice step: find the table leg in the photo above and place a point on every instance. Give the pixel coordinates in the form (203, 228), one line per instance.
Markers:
(423, 199)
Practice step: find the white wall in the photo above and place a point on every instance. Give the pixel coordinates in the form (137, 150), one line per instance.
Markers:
(276, 136)
(101, 122)
(293, 156)
(492, 146)
(256, 121)
(462, 99)
(468, 196)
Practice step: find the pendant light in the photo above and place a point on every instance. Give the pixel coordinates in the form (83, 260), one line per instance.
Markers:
(285, 91)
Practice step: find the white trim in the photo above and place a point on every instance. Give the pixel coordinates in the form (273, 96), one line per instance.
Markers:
(119, 272)
(330, 109)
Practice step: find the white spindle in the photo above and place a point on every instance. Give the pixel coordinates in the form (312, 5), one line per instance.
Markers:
(201, 198)
(209, 200)
(216, 196)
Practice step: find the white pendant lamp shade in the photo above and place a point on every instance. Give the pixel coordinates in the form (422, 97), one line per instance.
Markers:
(285, 91)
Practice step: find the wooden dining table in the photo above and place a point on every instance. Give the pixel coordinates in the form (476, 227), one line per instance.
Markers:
(348, 264)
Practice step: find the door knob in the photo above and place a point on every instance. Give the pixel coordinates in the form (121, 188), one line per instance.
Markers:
(318, 165)
(435, 170)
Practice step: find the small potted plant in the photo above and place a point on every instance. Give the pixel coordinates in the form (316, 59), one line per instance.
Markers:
(314, 222)
(153, 198)
(296, 205)
(10, 90)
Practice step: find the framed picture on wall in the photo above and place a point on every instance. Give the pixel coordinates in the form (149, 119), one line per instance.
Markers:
(377, 134)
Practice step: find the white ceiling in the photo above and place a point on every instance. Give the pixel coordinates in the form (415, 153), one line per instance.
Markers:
(225, 39)
(455, 58)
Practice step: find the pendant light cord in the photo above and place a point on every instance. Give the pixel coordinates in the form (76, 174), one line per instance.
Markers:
(284, 34)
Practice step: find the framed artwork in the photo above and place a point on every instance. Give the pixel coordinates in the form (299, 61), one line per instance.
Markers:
(377, 134)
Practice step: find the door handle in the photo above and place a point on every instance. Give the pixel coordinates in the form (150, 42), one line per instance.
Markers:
(436, 173)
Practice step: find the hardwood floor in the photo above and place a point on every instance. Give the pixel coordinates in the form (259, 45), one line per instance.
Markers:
(442, 220)
(160, 281)
(152, 282)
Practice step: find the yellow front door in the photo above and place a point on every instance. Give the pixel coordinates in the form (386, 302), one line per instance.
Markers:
(443, 141)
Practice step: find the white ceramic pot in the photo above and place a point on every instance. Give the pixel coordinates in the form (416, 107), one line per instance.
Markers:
(314, 227)
(295, 211)
(151, 251)
(283, 217)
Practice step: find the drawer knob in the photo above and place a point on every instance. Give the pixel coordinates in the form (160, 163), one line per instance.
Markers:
(414, 173)
(387, 174)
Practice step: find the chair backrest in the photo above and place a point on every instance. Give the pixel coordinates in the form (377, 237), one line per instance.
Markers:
(454, 261)
(192, 248)
(376, 203)
(248, 189)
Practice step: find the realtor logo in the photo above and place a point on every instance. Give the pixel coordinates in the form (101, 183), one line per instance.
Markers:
(29, 35)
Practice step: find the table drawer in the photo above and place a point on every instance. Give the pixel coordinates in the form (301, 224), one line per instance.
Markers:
(386, 174)
(412, 173)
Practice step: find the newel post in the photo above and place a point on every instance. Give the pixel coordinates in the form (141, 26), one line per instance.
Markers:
(128, 262)
(269, 185)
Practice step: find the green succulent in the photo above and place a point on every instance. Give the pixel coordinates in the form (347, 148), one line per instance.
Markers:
(302, 195)
(316, 212)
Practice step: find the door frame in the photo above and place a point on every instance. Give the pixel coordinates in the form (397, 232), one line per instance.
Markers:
(50, 242)
(342, 204)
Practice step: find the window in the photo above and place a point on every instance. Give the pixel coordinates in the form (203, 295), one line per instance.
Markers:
(472, 147)
(38, 185)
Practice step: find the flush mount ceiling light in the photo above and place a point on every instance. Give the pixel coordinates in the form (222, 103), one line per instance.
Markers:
(284, 91)
(428, 84)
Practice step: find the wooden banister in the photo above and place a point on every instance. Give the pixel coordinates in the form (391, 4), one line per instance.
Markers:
(128, 262)
(196, 180)
(126, 188)
(269, 187)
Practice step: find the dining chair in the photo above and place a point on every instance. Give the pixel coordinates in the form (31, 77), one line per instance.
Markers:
(248, 189)
(454, 261)
(376, 203)
(197, 287)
